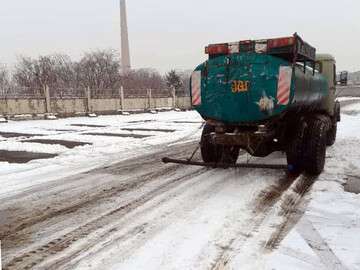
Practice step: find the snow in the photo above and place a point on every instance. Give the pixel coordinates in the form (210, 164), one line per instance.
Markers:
(333, 213)
(190, 225)
(102, 151)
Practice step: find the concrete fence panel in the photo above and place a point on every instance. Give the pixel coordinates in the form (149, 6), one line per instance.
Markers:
(69, 106)
(72, 106)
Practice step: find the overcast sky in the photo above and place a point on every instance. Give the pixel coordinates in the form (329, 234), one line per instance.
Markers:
(167, 34)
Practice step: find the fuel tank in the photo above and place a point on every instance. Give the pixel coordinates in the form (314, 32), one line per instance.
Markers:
(247, 88)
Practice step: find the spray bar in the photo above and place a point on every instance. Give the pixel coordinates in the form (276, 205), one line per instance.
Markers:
(223, 165)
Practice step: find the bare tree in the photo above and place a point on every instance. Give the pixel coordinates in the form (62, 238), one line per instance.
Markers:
(56, 71)
(143, 79)
(4, 80)
(99, 70)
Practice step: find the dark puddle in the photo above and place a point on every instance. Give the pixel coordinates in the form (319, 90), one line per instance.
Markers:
(352, 184)
(22, 156)
(136, 136)
(149, 129)
(16, 135)
(87, 125)
(67, 144)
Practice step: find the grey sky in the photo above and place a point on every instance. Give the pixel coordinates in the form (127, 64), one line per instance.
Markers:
(168, 34)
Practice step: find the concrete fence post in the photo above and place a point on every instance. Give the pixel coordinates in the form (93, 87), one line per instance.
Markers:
(149, 98)
(88, 99)
(122, 99)
(47, 99)
(173, 92)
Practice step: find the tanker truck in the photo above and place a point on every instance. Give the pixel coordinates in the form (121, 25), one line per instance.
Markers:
(263, 96)
(344, 78)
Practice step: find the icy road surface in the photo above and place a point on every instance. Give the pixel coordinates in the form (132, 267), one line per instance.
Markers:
(111, 203)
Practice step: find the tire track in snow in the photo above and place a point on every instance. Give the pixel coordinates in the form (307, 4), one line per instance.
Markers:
(18, 231)
(284, 196)
(141, 228)
(150, 170)
(35, 257)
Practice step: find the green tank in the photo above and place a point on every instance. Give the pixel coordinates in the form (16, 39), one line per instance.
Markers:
(264, 96)
(244, 88)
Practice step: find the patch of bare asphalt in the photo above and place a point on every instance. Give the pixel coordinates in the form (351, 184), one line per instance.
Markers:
(22, 156)
(67, 144)
(150, 129)
(352, 184)
(64, 130)
(16, 135)
(188, 122)
(140, 121)
(351, 112)
(135, 136)
(88, 125)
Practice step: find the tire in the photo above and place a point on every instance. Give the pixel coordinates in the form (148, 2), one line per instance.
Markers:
(212, 153)
(229, 154)
(295, 149)
(331, 135)
(315, 143)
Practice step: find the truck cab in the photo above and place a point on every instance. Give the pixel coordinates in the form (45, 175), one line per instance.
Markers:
(344, 78)
(326, 65)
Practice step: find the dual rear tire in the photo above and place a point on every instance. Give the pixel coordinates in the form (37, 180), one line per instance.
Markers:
(306, 150)
(212, 153)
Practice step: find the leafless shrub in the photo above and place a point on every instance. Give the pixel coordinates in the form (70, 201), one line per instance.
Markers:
(143, 79)
(4, 80)
(98, 70)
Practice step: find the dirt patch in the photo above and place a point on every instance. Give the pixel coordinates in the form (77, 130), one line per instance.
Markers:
(67, 144)
(16, 135)
(149, 129)
(87, 125)
(135, 136)
(22, 156)
(352, 184)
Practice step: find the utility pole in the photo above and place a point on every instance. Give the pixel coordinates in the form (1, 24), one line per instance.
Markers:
(125, 48)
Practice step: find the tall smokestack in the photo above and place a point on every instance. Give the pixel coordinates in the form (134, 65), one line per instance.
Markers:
(125, 48)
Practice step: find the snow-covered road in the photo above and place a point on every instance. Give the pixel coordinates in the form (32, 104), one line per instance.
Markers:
(111, 204)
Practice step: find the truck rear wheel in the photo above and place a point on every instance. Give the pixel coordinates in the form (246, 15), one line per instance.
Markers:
(315, 141)
(212, 153)
(331, 135)
(229, 154)
(295, 149)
